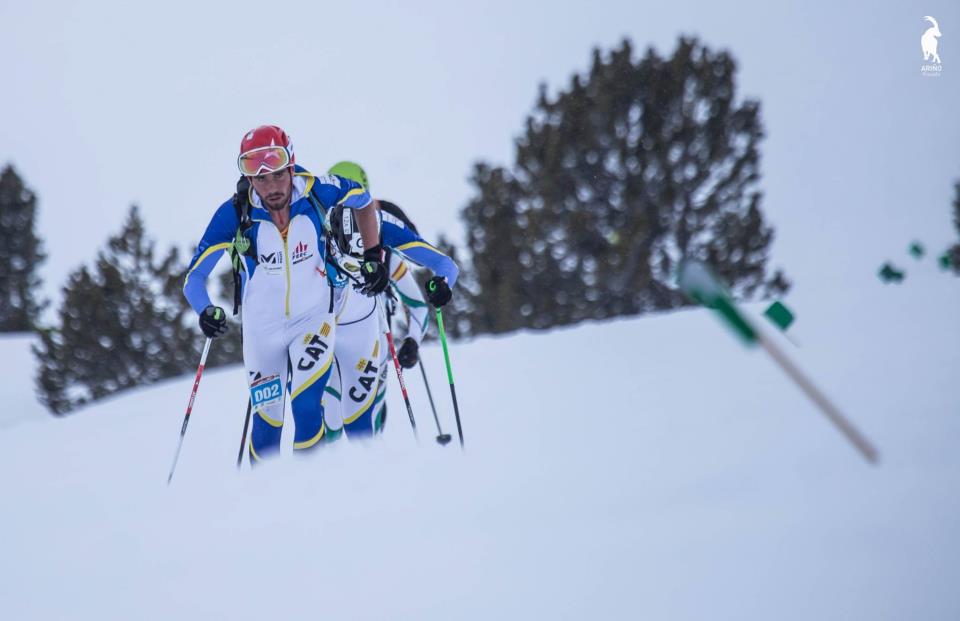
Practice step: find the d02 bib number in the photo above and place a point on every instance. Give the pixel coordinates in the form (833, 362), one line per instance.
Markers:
(266, 393)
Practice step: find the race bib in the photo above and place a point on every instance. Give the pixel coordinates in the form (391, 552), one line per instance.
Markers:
(266, 390)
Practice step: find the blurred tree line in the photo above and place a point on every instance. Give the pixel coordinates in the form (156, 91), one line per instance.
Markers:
(953, 253)
(123, 322)
(21, 255)
(638, 163)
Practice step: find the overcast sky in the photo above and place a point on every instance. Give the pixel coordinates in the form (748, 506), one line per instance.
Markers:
(106, 104)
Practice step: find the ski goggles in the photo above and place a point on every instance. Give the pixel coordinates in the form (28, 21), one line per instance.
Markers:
(263, 159)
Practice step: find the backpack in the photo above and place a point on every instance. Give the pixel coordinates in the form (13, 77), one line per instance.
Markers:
(394, 210)
(242, 244)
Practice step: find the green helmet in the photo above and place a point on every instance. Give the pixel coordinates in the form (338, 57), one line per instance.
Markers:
(352, 171)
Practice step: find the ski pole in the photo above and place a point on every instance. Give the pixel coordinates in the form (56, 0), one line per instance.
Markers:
(246, 419)
(186, 417)
(243, 438)
(396, 364)
(446, 358)
(442, 438)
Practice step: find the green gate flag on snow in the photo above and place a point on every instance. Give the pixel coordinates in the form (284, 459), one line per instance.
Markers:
(888, 274)
(917, 250)
(697, 281)
(779, 315)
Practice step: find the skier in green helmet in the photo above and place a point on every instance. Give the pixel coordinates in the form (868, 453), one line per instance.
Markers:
(361, 351)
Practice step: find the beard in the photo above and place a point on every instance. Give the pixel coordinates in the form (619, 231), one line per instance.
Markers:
(277, 202)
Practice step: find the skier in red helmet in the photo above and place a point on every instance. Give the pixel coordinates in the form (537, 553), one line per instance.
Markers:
(274, 229)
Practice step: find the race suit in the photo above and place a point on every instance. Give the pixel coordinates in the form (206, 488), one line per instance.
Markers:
(287, 305)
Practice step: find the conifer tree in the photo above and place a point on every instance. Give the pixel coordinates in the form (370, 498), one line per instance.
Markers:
(953, 253)
(21, 255)
(637, 164)
(123, 322)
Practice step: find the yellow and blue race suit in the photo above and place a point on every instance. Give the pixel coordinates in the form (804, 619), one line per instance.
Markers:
(287, 304)
(361, 351)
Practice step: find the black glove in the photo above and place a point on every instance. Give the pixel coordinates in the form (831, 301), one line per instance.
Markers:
(408, 354)
(438, 293)
(213, 321)
(374, 272)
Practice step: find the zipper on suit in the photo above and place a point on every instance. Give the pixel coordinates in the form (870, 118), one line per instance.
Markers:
(286, 270)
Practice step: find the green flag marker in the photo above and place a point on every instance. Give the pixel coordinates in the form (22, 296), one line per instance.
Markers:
(944, 261)
(698, 283)
(779, 315)
(889, 274)
(916, 250)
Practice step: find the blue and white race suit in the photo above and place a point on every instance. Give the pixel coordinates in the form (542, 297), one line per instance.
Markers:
(287, 301)
(361, 352)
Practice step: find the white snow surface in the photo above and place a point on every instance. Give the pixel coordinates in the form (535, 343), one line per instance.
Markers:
(17, 368)
(646, 468)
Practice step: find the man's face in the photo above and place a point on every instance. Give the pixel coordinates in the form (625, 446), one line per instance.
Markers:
(274, 188)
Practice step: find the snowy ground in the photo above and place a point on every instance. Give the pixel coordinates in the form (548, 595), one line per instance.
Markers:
(17, 370)
(648, 468)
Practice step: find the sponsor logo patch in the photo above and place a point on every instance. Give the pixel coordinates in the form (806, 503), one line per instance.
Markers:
(271, 262)
(366, 382)
(316, 347)
(301, 253)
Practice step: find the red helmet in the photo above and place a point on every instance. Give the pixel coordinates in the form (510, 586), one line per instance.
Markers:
(265, 149)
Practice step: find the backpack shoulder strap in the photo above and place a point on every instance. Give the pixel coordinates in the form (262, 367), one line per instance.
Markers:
(321, 211)
(241, 243)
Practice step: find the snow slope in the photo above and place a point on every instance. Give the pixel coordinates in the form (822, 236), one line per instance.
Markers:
(17, 367)
(647, 468)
